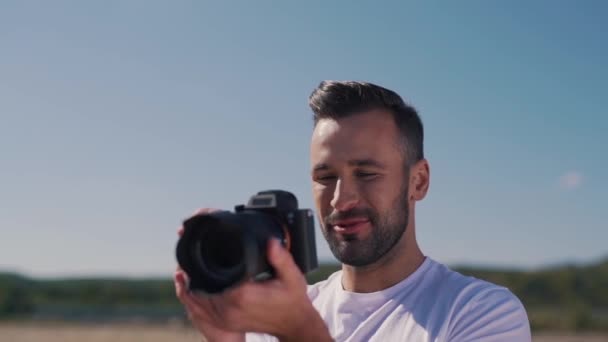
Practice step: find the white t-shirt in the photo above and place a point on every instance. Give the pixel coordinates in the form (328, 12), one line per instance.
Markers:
(433, 304)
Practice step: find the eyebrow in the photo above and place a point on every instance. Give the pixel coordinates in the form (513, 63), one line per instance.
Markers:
(352, 162)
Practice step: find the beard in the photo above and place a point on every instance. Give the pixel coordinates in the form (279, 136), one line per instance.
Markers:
(387, 229)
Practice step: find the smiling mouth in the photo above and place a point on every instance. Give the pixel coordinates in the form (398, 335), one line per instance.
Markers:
(350, 226)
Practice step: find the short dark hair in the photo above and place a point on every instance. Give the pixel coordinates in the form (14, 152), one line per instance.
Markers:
(338, 99)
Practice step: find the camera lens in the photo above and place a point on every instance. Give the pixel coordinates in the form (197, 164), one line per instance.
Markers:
(221, 249)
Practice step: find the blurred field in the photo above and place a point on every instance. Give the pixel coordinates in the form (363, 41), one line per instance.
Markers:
(570, 338)
(59, 332)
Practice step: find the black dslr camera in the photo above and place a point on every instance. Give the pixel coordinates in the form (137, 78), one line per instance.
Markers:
(220, 250)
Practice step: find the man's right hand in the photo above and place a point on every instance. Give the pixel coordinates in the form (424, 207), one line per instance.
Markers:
(210, 333)
(279, 306)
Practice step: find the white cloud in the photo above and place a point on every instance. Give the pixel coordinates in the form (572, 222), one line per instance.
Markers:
(571, 180)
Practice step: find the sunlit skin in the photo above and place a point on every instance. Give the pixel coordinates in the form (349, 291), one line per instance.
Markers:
(358, 167)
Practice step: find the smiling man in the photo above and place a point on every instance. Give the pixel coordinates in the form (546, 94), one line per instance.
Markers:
(363, 191)
(368, 172)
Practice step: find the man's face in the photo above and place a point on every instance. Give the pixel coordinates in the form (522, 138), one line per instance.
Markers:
(360, 185)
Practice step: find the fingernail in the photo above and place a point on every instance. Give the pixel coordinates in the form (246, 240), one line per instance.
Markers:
(277, 246)
(275, 242)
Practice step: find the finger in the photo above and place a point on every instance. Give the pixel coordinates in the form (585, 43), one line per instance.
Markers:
(180, 282)
(201, 312)
(203, 211)
(240, 296)
(283, 263)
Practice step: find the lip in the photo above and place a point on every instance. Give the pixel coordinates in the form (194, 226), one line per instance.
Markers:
(350, 226)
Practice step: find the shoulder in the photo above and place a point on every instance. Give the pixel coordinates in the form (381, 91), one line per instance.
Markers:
(481, 309)
(463, 288)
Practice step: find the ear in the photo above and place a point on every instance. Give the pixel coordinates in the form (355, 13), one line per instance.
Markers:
(420, 178)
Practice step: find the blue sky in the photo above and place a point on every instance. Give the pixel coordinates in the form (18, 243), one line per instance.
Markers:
(119, 118)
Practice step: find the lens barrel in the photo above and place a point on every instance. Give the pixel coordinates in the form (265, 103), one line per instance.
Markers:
(222, 249)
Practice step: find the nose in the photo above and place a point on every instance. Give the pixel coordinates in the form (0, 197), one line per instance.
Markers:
(345, 196)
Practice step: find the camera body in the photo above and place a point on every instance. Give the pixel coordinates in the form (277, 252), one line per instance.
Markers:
(220, 250)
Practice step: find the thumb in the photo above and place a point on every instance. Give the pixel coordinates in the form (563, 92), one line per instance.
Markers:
(283, 263)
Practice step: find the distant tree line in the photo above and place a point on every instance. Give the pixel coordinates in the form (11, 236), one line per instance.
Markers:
(565, 297)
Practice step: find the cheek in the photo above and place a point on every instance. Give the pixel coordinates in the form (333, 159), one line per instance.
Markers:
(322, 197)
(378, 195)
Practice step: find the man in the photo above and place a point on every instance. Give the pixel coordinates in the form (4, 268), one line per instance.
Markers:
(368, 172)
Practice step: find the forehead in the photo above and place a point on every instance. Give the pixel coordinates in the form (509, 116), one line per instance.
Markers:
(369, 135)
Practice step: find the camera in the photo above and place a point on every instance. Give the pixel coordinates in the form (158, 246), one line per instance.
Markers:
(220, 250)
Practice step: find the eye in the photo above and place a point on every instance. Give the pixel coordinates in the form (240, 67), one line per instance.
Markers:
(366, 175)
(324, 178)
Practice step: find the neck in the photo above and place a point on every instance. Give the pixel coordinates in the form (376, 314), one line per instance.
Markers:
(401, 261)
